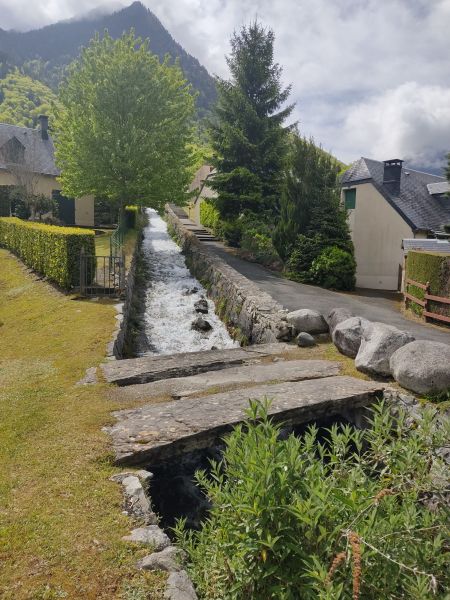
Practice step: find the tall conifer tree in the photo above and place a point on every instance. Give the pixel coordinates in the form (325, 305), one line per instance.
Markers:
(248, 136)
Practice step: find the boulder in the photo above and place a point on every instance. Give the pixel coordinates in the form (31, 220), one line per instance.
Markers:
(152, 535)
(201, 306)
(378, 344)
(179, 587)
(347, 335)
(336, 316)
(305, 340)
(285, 332)
(308, 321)
(190, 291)
(166, 560)
(201, 325)
(422, 366)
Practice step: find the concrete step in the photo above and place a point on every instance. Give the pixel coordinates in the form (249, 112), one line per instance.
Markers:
(214, 381)
(155, 432)
(153, 368)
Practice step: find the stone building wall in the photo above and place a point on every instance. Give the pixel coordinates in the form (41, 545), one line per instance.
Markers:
(250, 312)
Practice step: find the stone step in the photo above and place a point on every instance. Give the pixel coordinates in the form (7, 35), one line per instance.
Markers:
(283, 370)
(153, 368)
(156, 432)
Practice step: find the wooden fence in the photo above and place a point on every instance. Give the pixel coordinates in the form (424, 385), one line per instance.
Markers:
(425, 303)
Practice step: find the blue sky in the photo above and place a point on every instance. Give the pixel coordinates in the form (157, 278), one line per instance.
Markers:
(369, 77)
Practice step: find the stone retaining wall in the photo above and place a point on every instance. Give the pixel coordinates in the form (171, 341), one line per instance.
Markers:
(116, 346)
(252, 314)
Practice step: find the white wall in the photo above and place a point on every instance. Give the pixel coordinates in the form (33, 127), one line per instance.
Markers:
(377, 232)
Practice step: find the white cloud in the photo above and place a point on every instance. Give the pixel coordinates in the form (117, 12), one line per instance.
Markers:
(347, 60)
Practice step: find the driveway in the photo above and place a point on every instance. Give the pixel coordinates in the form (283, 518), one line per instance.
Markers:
(293, 296)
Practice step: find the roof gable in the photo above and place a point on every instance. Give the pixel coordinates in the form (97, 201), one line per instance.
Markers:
(414, 203)
(38, 153)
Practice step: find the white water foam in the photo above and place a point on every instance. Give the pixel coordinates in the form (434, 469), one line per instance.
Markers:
(169, 311)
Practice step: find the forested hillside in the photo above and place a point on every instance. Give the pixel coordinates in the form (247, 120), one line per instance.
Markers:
(42, 53)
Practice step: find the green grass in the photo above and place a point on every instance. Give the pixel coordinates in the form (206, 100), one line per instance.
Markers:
(60, 517)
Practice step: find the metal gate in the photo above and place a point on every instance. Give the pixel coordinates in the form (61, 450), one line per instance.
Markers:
(102, 275)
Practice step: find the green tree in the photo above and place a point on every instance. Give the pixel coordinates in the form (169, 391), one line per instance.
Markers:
(22, 100)
(248, 137)
(125, 126)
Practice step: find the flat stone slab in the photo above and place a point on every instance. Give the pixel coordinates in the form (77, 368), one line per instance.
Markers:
(153, 368)
(155, 432)
(283, 370)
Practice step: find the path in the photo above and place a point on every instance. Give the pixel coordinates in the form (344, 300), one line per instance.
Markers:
(293, 295)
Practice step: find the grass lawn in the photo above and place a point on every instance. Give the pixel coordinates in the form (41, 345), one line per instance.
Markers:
(60, 517)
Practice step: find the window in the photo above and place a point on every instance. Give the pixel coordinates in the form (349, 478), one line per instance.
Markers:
(350, 199)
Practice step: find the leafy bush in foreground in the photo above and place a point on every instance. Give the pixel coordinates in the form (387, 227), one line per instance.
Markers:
(312, 519)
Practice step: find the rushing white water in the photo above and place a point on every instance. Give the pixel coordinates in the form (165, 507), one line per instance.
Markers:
(169, 307)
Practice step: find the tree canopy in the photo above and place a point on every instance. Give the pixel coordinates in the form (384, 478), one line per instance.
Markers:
(248, 137)
(22, 100)
(125, 125)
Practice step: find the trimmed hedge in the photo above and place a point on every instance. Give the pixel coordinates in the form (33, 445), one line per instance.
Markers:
(131, 214)
(50, 250)
(426, 267)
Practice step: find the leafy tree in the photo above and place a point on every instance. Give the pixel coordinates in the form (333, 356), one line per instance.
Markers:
(22, 100)
(334, 514)
(125, 125)
(248, 137)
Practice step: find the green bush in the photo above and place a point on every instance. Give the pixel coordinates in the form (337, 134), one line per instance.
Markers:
(49, 250)
(334, 268)
(209, 215)
(426, 267)
(305, 251)
(231, 232)
(256, 241)
(324, 517)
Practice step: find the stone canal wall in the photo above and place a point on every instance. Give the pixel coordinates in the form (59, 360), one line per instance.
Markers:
(250, 313)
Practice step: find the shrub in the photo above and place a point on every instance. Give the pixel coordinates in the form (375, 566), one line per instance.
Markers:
(256, 241)
(304, 252)
(334, 268)
(426, 267)
(49, 250)
(131, 214)
(231, 232)
(326, 518)
(209, 215)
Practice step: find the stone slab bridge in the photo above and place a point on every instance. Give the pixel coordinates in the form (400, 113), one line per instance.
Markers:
(189, 401)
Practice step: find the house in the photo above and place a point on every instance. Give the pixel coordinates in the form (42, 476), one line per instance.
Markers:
(27, 159)
(388, 203)
(201, 191)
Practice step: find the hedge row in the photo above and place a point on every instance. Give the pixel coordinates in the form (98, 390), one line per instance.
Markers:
(426, 267)
(51, 251)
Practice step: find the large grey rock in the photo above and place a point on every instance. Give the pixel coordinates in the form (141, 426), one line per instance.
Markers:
(201, 325)
(422, 366)
(154, 368)
(201, 306)
(179, 587)
(152, 535)
(307, 320)
(336, 316)
(378, 344)
(347, 335)
(282, 370)
(305, 340)
(137, 502)
(166, 560)
(159, 431)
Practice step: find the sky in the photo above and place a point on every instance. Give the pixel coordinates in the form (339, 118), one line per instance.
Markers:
(369, 77)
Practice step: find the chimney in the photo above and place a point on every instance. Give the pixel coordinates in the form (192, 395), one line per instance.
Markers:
(392, 175)
(43, 126)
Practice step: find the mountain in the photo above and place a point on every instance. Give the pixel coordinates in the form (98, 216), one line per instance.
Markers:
(60, 43)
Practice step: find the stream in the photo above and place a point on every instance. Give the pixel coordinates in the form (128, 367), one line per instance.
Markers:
(170, 297)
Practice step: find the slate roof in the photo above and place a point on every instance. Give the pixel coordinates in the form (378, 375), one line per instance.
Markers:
(39, 154)
(420, 209)
(427, 245)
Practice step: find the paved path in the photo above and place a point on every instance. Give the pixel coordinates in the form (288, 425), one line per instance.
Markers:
(294, 295)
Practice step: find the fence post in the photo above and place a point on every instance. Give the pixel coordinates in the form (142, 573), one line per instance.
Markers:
(82, 271)
(426, 307)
